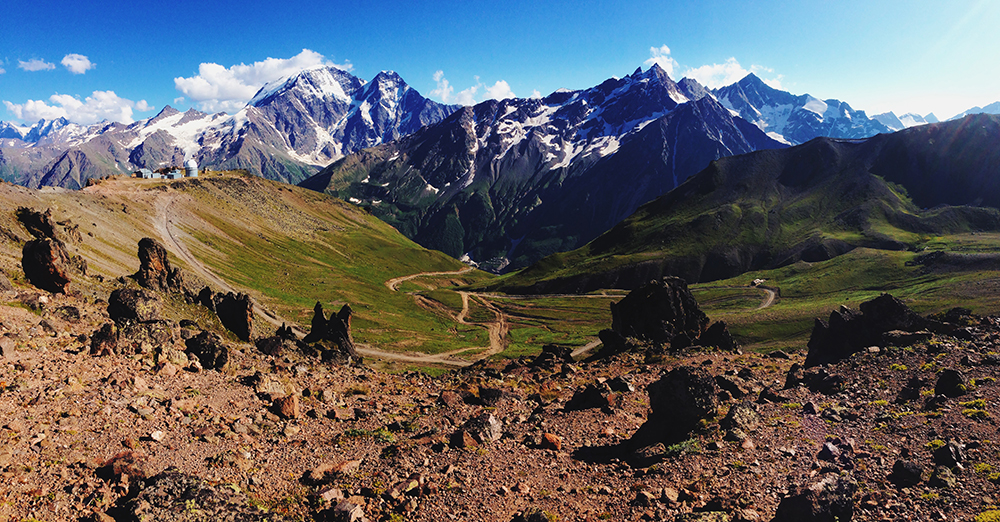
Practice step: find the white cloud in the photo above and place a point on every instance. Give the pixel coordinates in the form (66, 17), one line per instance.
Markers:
(35, 64)
(535, 94)
(101, 105)
(178, 100)
(718, 75)
(143, 106)
(661, 56)
(2, 70)
(500, 91)
(77, 63)
(446, 92)
(217, 88)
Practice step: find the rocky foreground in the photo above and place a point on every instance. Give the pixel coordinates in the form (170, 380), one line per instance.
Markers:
(110, 411)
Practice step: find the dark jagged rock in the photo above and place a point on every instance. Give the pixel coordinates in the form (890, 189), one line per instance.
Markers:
(209, 349)
(155, 271)
(817, 379)
(951, 455)
(717, 335)
(662, 311)
(236, 313)
(175, 497)
(848, 332)
(104, 341)
(743, 417)
(40, 225)
(133, 304)
(484, 428)
(678, 401)
(334, 334)
(207, 298)
(829, 500)
(47, 264)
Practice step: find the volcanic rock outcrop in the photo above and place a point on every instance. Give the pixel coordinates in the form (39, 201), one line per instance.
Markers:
(236, 313)
(155, 271)
(333, 334)
(848, 332)
(46, 262)
(663, 313)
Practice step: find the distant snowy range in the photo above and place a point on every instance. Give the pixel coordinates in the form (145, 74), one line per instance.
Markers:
(298, 125)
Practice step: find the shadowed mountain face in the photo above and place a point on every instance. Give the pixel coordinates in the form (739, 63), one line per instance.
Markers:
(287, 132)
(514, 180)
(810, 203)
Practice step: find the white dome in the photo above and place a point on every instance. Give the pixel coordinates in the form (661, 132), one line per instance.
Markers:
(191, 163)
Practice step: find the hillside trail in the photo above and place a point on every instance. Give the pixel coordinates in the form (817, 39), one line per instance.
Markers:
(166, 217)
(165, 225)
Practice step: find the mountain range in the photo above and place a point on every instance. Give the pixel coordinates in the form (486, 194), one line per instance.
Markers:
(513, 180)
(287, 132)
(811, 203)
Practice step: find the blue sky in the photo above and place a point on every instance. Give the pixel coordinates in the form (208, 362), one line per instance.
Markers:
(120, 60)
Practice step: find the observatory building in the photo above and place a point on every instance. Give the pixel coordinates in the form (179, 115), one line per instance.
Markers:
(191, 168)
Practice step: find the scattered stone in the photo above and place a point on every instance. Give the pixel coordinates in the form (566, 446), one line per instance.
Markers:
(328, 471)
(5, 284)
(678, 401)
(287, 407)
(333, 334)
(743, 417)
(659, 311)
(104, 341)
(551, 441)
(175, 497)
(951, 455)
(552, 356)
(942, 478)
(347, 512)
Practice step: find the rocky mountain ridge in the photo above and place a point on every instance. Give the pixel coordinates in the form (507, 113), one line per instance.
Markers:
(516, 179)
(288, 131)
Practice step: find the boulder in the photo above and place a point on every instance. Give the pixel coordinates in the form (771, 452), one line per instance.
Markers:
(133, 304)
(950, 383)
(552, 356)
(848, 332)
(235, 311)
(137, 337)
(678, 402)
(484, 428)
(209, 349)
(663, 312)
(906, 473)
(207, 298)
(593, 395)
(155, 271)
(829, 500)
(742, 416)
(47, 264)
